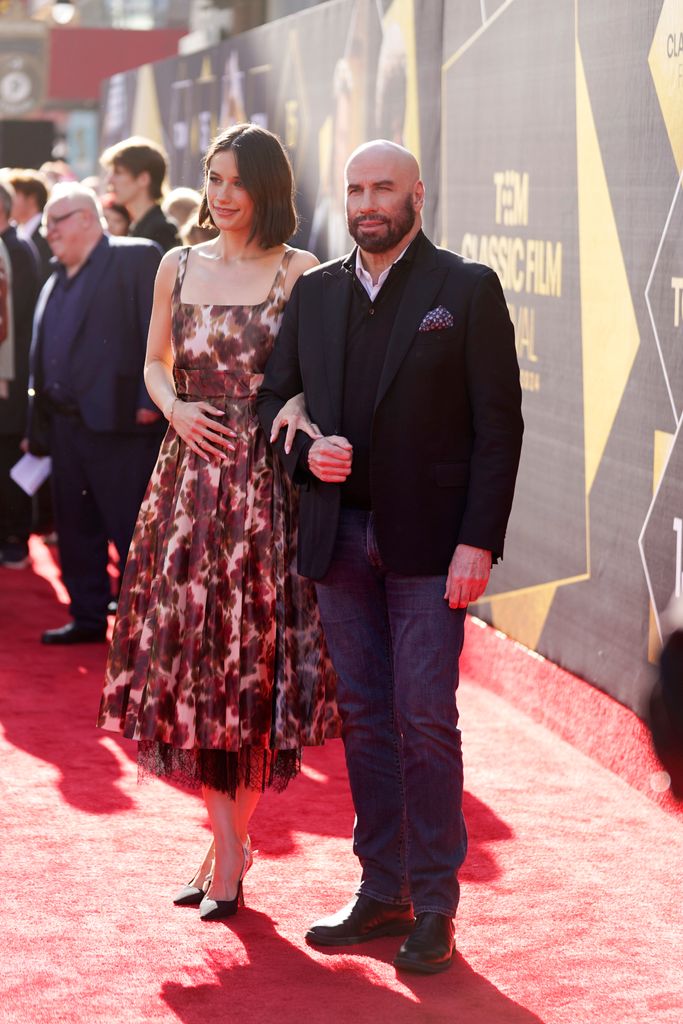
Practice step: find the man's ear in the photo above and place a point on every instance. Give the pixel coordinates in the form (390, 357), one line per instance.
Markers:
(145, 179)
(419, 195)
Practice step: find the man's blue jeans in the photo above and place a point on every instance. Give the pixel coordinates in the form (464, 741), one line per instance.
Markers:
(395, 644)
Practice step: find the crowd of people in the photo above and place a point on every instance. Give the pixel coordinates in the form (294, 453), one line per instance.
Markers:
(307, 472)
(130, 199)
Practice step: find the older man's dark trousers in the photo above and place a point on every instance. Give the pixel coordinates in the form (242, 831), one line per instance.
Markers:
(395, 644)
(98, 481)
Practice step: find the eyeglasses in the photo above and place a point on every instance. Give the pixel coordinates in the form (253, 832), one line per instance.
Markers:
(52, 222)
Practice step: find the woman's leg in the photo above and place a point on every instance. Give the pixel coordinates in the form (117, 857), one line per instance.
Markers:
(205, 869)
(230, 822)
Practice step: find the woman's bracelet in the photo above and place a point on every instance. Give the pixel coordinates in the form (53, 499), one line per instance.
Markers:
(168, 411)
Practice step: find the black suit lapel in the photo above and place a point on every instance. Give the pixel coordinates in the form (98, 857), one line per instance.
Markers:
(422, 286)
(336, 299)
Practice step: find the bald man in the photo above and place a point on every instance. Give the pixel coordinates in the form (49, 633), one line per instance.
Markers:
(405, 354)
(88, 404)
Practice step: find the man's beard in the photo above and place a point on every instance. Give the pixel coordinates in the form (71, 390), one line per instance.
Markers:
(397, 228)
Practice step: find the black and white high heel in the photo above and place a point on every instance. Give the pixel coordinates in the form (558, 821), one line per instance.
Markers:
(218, 910)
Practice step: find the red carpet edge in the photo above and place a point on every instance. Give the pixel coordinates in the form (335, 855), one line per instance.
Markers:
(588, 719)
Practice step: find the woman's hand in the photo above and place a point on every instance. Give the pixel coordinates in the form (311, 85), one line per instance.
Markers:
(204, 436)
(294, 415)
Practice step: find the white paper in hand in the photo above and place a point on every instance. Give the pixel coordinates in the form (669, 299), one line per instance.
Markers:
(30, 472)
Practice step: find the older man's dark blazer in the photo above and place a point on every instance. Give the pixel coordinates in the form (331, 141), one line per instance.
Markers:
(107, 351)
(447, 425)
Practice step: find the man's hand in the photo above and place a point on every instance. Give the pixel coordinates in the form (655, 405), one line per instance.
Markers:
(143, 417)
(329, 458)
(468, 575)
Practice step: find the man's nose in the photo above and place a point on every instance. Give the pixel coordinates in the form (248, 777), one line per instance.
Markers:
(367, 201)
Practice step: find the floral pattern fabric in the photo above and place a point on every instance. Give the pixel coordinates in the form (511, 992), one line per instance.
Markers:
(217, 644)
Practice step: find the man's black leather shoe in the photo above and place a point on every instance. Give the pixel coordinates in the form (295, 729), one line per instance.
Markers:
(430, 946)
(72, 633)
(360, 920)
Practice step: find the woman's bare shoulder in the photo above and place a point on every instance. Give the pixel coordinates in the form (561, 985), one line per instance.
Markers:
(300, 262)
(168, 269)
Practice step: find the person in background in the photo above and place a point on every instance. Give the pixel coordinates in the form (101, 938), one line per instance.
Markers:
(192, 234)
(55, 172)
(30, 196)
(136, 175)
(664, 712)
(89, 406)
(181, 204)
(15, 504)
(116, 215)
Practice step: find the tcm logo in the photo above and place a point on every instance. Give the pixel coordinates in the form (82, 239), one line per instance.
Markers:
(512, 197)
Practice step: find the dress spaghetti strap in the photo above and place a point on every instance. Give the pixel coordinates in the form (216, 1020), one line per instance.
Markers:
(180, 273)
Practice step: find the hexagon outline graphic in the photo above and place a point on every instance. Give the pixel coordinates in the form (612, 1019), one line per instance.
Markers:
(641, 536)
(669, 391)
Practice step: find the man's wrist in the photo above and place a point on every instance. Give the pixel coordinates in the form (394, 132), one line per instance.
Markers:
(302, 461)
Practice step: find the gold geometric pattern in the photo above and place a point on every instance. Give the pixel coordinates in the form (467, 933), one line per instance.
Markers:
(666, 64)
(146, 114)
(609, 329)
(610, 340)
(523, 616)
(402, 14)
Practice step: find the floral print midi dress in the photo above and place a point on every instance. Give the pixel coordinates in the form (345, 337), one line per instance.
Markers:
(218, 666)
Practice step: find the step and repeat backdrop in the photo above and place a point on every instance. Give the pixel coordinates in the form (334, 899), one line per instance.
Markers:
(551, 141)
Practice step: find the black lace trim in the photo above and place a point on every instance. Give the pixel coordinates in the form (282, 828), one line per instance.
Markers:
(254, 767)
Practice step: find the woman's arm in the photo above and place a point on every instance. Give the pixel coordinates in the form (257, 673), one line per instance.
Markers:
(293, 414)
(190, 420)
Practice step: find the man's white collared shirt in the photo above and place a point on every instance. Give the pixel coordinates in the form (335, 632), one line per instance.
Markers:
(25, 230)
(366, 279)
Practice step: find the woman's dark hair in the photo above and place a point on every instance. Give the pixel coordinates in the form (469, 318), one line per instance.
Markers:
(266, 173)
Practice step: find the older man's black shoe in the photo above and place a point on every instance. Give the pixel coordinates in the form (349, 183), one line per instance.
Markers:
(72, 633)
(430, 946)
(359, 921)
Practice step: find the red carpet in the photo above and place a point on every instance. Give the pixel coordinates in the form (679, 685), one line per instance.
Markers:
(572, 891)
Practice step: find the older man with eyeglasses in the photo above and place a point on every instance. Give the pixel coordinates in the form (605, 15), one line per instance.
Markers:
(88, 406)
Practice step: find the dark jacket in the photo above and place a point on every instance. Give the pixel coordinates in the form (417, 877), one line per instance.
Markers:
(43, 255)
(447, 424)
(157, 228)
(25, 288)
(107, 351)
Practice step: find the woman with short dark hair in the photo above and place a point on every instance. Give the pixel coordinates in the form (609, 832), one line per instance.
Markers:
(218, 665)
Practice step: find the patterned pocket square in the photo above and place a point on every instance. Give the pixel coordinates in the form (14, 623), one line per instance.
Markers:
(436, 320)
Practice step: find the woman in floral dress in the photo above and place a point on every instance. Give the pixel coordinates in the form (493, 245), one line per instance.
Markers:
(218, 666)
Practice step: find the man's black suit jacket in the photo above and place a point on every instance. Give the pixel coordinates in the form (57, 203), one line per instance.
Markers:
(43, 254)
(447, 426)
(107, 350)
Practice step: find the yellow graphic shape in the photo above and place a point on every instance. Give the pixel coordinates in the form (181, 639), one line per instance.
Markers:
(666, 67)
(662, 447)
(399, 20)
(146, 114)
(206, 74)
(324, 152)
(609, 328)
(293, 105)
(523, 616)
